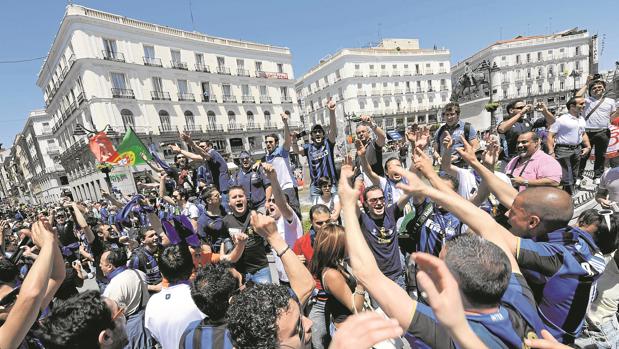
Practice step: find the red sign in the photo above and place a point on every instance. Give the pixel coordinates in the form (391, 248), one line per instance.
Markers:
(271, 75)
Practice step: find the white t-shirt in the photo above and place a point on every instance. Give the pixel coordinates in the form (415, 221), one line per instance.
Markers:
(127, 288)
(191, 210)
(568, 129)
(610, 182)
(290, 231)
(467, 184)
(600, 118)
(168, 314)
(387, 186)
(334, 200)
(283, 173)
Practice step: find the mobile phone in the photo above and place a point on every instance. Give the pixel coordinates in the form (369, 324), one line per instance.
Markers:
(301, 134)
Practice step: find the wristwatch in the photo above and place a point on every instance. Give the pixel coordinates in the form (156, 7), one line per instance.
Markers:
(526, 183)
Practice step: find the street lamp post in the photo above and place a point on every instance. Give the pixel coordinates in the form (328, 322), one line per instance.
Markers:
(574, 74)
(485, 66)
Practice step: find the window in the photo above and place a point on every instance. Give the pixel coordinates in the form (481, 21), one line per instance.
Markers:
(517, 59)
(528, 72)
(240, 64)
(206, 91)
(127, 117)
(250, 118)
(45, 124)
(528, 57)
(371, 66)
(164, 118)
(356, 66)
(176, 56)
(263, 91)
(211, 118)
(245, 90)
(190, 120)
(280, 68)
(539, 87)
(416, 68)
(118, 81)
(267, 117)
(562, 85)
(51, 141)
(528, 90)
(337, 74)
(577, 65)
(157, 84)
(231, 117)
(561, 68)
(199, 60)
(385, 85)
(258, 66)
(284, 93)
(226, 90)
(182, 87)
(394, 66)
(149, 53)
(577, 50)
(550, 71)
(382, 66)
(539, 56)
(221, 62)
(109, 46)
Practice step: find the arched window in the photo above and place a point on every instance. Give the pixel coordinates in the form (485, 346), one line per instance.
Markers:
(128, 119)
(190, 121)
(267, 117)
(211, 118)
(250, 118)
(164, 118)
(231, 117)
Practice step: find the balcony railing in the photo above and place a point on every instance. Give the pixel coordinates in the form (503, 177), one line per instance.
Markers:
(253, 126)
(386, 92)
(265, 99)
(270, 126)
(160, 96)
(249, 99)
(407, 73)
(358, 74)
(113, 56)
(375, 92)
(81, 98)
(373, 73)
(213, 128)
(192, 128)
(242, 72)
(53, 150)
(209, 99)
(398, 91)
(203, 68)
(186, 97)
(179, 65)
(122, 93)
(233, 126)
(229, 99)
(152, 61)
(167, 129)
(223, 70)
(46, 131)
(237, 148)
(442, 71)
(287, 99)
(361, 93)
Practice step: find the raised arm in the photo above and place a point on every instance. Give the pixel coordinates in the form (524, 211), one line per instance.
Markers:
(278, 195)
(583, 90)
(550, 117)
(332, 135)
(506, 125)
(287, 138)
(240, 240)
(365, 166)
(550, 142)
(393, 300)
(81, 222)
(150, 164)
(301, 280)
(446, 156)
(189, 155)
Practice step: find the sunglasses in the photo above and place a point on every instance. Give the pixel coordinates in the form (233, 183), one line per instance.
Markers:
(299, 326)
(519, 107)
(374, 201)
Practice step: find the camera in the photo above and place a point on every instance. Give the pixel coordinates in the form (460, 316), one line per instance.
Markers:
(301, 134)
(597, 76)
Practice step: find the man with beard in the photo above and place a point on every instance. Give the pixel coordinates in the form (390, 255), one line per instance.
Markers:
(319, 152)
(532, 167)
(288, 223)
(253, 264)
(254, 182)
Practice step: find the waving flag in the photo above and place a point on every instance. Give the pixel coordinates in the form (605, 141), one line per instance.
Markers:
(153, 153)
(130, 149)
(102, 148)
(124, 212)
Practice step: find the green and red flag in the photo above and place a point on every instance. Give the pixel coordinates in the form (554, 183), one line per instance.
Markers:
(130, 149)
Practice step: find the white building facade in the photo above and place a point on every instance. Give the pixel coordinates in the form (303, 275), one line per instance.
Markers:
(109, 70)
(545, 68)
(396, 82)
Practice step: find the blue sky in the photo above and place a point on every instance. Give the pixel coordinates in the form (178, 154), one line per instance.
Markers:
(311, 29)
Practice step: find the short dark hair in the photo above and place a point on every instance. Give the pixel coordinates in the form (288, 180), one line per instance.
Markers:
(454, 180)
(369, 189)
(607, 236)
(236, 187)
(175, 263)
(452, 106)
(595, 82)
(481, 268)
(141, 233)
(272, 135)
(8, 271)
(512, 104)
(318, 208)
(252, 316)
(184, 193)
(76, 323)
(572, 101)
(389, 160)
(117, 257)
(323, 181)
(534, 135)
(212, 289)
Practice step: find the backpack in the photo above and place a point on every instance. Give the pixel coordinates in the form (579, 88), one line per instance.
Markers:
(467, 132)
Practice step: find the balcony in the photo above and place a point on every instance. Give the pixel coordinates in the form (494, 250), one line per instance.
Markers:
(373, 73)
(113, 56)
(168, 129)
(249, 99)
(233, 126)
(192, 128)
(160, 96)
(375, 92)
(186, 97)
(395, 72)
(223, 71)
(208, 99)
(361, 93)
(358, 74)
(123, 93)
(265, 99)
(286, 99)
(213, 128)
(442, 71)
(539, 77)
(519, 79)
(253, 126)
(407, 73)
(505, 82)
(398, 91)
(242, 72)
(419, 90)
(178, 65)
(444, 88)
(386, 92)
(81, 98)
(46, 131)
(152, 61)
(271, 75)
(237, 148)
(384, 73)
(270, 126)
(203, 68)
(229, 99)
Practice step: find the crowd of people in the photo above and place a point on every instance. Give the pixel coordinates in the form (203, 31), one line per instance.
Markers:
(462, 239)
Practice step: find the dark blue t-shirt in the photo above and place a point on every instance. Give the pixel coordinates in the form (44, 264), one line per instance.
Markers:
(219, 170)
(439, 228)
(255, 184)
(321, 159)
(382, 237)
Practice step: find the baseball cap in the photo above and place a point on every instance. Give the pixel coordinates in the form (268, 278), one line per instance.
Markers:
(244, 154)
(318, 127)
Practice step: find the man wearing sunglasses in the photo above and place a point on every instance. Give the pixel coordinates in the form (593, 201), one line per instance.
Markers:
(320, 152)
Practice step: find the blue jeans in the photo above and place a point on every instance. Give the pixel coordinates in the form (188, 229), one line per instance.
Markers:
(262, 276)
(320, 335)
(606, 337)
(138, 336)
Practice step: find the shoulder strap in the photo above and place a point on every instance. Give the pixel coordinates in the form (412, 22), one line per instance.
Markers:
(594, 108)
(467, 130)
(438, 138)
(142, 282)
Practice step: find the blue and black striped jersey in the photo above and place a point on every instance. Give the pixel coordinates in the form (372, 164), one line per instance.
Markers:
(321, 159)
(562, 268)
(201, 334)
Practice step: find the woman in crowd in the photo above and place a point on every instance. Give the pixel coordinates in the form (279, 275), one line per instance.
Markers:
(329, 199)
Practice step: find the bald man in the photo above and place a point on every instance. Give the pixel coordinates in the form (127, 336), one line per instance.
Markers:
(560, 263)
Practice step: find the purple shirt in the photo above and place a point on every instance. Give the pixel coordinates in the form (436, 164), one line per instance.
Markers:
(540, 165)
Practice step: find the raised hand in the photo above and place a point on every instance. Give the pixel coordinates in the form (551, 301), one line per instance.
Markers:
(284, 117)
(415, 186)
(175, 148)
(42, 233)
(467, 152)
(263, 225)
(349, 194)
(186, 136)
(491, 154)
(366, 119)
(361, 149)
(362, 331)
(422, 162)
(447, 141)
(239, 238)
(331, 104)
(269, 171)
